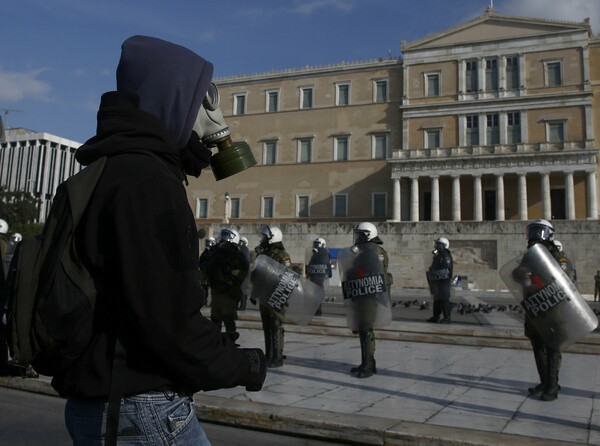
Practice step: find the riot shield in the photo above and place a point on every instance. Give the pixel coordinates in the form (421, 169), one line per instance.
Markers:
(556, 309)
(284, 291)
(366, 296)
(317, 265)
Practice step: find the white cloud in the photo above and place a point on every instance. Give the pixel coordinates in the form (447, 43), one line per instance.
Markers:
(15, 86)
(570, 10)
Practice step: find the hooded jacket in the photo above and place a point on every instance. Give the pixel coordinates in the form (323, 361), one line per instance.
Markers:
(139, 238)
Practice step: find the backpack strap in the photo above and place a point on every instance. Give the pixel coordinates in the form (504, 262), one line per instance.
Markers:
(117, 384)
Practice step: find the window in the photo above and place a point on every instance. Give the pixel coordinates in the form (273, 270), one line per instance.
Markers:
(556, 131)
(381, 91)
(513, 130)
(472, 130)
(270, 152)
(305, 150)
(268, 205)
(306, 97)
(432, 139)
(471, 75)
(491, 75)
(379, 146)
(342, 94)
(379, 205)
(492, 128)
(432, 84)
(553, 72)
(340, 205)
(340, 149)
(272, 100)
(201, 207)
(302, 206)
(235, 208)
(239, 104)
(512, 72)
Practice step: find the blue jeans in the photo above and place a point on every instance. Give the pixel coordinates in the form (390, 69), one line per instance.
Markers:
(152, 418)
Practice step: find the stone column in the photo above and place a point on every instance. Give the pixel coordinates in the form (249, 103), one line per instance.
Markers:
(592, 196)
(477, 199)
(435, 199)
(523, 206)
(397, 200)
(570, 195)
(456, 198)
(414, 199)
(500, 197)
(546, 202)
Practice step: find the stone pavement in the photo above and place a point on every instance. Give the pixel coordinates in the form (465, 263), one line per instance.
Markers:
(436, 385)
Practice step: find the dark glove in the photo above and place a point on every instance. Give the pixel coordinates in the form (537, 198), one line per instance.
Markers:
(253, 300)
(257, 369)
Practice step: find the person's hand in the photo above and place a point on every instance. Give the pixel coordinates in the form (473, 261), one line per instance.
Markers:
(257, 369)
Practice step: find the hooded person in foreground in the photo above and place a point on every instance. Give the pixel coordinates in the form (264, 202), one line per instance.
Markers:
(139, 239)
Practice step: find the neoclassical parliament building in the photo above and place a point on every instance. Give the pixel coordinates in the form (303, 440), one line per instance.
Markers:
(490, 120)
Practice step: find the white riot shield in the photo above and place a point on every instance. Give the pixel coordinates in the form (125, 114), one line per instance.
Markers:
(284, 291)
(559, 313)
(317, 265)
(366, 296)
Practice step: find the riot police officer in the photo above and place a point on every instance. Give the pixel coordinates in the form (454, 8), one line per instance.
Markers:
(271, 245)
(246, 251)
(565, 262)
(547, 359)
(365, 233)
(439, 278)
(226, 268)
(318, 264)
(209, 243)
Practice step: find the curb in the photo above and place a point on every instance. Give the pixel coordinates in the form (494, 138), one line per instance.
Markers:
(324, 425)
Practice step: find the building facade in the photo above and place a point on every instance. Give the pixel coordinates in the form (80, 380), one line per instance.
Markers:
(36, 163)
(492, 119)
(498, 123)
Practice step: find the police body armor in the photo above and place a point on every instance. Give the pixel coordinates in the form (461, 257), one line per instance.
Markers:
(366, 296)
(317, 265)
(550, 299)
(284, 291)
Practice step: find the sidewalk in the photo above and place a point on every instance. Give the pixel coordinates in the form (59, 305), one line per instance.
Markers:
(436, 385)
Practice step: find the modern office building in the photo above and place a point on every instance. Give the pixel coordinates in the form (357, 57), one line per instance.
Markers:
(36, 163)
(492, 119)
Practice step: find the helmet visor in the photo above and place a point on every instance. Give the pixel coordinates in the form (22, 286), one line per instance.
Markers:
(227, 236)
(538, 232)
(361, 236)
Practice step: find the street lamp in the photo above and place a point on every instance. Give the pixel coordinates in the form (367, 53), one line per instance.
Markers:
(227, 208)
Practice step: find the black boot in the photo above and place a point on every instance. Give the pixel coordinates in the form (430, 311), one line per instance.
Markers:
(551, 388)
(277, 344)
(367, 345)
(437, 310)
(539, 354)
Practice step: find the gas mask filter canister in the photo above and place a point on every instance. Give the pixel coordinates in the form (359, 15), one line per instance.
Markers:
(210, 125)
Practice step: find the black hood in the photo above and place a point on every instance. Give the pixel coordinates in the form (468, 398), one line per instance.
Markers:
(160, 88)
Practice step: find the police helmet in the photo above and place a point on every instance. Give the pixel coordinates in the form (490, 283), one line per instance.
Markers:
(558, 245)
(272, 234)
(16, 237)
(442, 242)
(229, 235)
(210, 242)
(540, 230)
(243, 241)
(3, 226)
(364, 231)
(319, 243)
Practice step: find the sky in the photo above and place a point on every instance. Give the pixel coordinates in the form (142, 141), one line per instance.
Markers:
(59, 56)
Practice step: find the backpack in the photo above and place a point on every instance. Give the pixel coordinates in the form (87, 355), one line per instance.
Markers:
(51, 294)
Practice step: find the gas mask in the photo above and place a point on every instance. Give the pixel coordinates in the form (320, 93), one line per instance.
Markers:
(210, 126)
